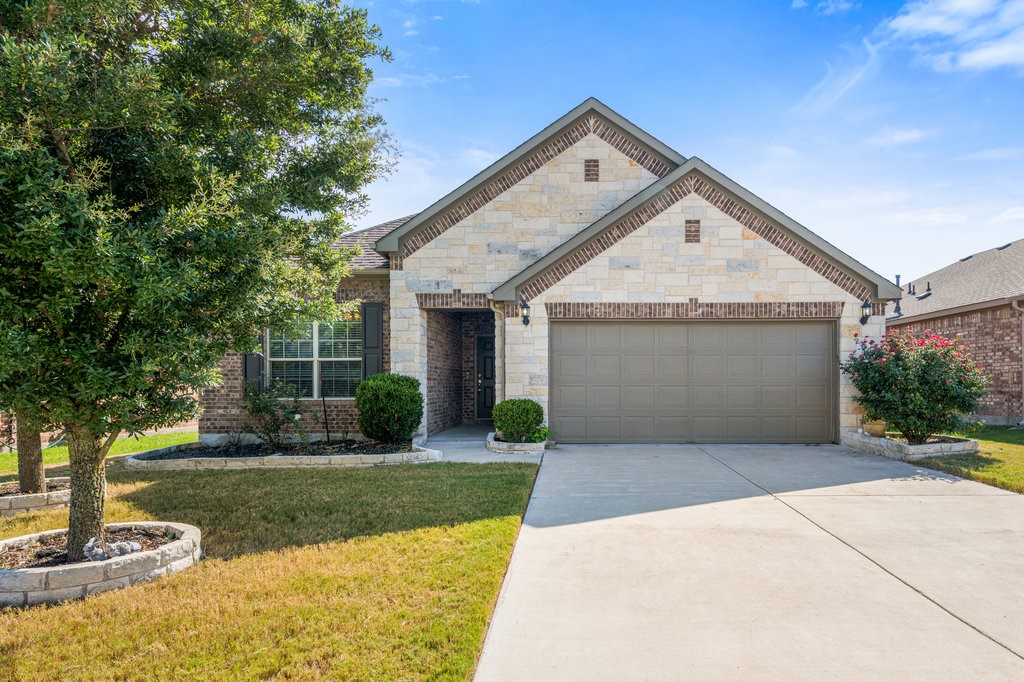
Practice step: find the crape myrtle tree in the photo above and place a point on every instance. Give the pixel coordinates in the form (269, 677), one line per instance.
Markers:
(172, 178)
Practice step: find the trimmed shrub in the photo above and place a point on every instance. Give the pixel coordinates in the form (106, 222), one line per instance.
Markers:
(274, 411)
(518, 419)
(390, 407)
(920, 385)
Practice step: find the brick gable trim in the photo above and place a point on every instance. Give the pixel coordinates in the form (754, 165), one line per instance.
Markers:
(452, 300)
(693, 310)
(525, 167)
(693, 182)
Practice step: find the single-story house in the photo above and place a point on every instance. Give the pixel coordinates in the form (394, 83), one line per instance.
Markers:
(639, 295)
(979, 298)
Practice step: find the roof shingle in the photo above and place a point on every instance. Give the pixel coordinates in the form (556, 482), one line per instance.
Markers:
(366, 238)
(993, 275)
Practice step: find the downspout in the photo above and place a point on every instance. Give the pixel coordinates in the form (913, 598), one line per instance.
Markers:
(1015, 304)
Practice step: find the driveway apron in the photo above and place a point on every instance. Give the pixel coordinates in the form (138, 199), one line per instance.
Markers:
(667, 562)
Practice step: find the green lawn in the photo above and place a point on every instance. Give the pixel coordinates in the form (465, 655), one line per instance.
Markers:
(1000, 462)
(59, 455)
(385, 573)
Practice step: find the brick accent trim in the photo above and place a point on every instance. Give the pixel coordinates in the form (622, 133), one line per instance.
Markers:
(512, 310)
(453, 300)
(693, 309)
(518, 172)
(692, 183)
(395, 262)
(692, 234)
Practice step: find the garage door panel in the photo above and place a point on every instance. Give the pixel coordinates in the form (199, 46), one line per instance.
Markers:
(640, 367)
(603, 366)
(673, 365)
(695, 381)
(673, 398)
(607, 397)
(707, 365)
(640, 397)
(741, 366)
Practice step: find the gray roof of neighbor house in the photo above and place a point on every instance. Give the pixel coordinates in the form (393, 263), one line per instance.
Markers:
(989, 277)
(370, 259)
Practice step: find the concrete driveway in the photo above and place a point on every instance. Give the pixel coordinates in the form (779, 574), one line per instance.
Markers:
(758, 562)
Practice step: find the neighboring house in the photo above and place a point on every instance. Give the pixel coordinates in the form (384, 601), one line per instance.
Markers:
(979, 298)
(665, 303)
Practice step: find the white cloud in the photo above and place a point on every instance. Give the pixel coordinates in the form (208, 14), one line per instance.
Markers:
(830, 7)
(411, 32)
(996, 154)
(415, 80)
(892, 137)
(962, 34)
(1014, 214)
(838, 81)
(798, 4)
(927, 217)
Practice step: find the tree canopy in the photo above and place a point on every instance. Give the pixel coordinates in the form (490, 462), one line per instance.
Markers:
(173, 176)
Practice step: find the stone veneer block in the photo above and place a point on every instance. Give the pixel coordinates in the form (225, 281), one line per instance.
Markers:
(28, 586)
(16, 504)
(908, 453)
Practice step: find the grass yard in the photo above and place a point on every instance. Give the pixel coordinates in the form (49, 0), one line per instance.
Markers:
(1000, 462)
(386, 573)
(123, 446)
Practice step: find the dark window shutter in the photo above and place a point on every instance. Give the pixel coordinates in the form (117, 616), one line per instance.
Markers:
(373, 339)
(252, 368)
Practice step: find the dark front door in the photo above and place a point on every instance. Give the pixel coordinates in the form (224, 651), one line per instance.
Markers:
(484, 376)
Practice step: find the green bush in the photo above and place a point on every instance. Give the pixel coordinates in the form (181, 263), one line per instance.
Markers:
(390, 407)
(273, 411)
(518, 419)
(920, 385)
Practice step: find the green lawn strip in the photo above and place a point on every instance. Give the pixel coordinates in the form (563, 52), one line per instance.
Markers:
(999, 462)
(375, 573)
(59, 454)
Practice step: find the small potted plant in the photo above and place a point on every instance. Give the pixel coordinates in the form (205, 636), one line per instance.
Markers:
(873, 427)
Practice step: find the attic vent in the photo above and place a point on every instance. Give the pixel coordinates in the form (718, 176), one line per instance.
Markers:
(967, 258)
(591, 170)
(1004, 246)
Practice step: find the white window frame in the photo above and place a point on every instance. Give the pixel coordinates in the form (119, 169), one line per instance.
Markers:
(316, 360)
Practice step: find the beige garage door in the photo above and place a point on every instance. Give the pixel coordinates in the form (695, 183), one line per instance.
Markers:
(702, 382)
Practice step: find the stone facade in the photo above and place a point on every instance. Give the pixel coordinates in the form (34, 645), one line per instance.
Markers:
(732, 274)
(995, 336)
(223, 416)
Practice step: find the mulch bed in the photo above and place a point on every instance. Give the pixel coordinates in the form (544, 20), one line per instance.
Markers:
(898, 437)
(53, 550)
(319, 448)
(7, 489)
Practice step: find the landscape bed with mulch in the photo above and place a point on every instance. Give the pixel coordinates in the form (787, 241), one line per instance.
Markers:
(52, 550)
(12, 488)
(316, 449)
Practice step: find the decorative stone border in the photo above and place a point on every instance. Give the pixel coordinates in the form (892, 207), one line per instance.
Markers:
(909, 453)
(522, 448)
(418, 455)
(16, 504)
(28, 586)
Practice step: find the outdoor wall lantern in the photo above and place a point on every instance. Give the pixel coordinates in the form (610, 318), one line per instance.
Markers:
(526, 311)
(865, 312)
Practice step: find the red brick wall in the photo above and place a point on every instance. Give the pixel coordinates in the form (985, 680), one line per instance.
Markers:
(995, 338)
(444, 370)
(473, 324)
(223, 413)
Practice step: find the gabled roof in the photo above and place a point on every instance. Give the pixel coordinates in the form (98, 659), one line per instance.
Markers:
(365, 239)
(590, 116)
(751, 211)
(994, 277)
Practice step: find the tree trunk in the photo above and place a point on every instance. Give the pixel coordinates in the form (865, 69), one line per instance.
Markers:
(88, 490)
(31, 473)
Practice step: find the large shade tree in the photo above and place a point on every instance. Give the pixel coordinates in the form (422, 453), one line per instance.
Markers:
(172, 178)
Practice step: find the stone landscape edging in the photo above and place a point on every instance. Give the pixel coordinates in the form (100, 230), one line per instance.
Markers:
(501, 446)
(30, 502)
(909, 453)
(30, 586)
(417, 455)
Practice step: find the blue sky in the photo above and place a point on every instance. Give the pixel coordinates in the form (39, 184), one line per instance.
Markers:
(892, 129)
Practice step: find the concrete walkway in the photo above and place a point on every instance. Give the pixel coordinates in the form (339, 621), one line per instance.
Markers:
(758, 562)
(466, 444)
